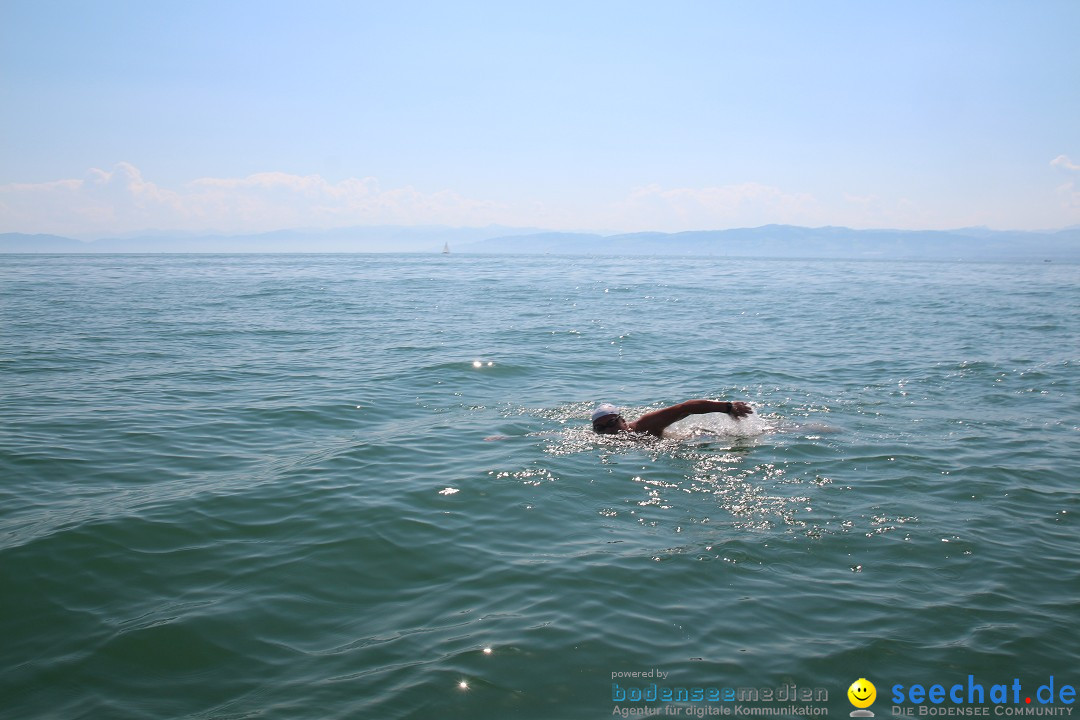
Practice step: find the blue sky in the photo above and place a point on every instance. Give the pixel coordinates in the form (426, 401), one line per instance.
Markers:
(608, 116)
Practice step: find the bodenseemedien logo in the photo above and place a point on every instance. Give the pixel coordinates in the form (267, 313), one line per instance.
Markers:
(861, 694)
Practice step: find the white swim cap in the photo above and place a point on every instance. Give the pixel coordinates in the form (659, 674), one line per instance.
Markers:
(605, 409)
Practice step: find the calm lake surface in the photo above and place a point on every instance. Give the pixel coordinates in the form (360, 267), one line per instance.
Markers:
(364, 486)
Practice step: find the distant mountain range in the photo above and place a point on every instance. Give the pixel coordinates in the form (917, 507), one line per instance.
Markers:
(389, 238)
(801, 242)
(978, 244)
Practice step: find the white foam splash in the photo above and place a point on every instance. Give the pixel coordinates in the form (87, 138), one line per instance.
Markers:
(720, 425)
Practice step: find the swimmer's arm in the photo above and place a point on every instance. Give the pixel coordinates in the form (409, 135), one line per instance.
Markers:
(654, 423)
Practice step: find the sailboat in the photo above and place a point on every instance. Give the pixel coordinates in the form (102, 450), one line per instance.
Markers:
(446, 248)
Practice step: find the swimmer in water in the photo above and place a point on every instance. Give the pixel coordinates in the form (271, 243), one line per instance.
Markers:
(606, 419)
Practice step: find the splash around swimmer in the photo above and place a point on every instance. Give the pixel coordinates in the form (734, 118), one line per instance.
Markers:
(607, 420)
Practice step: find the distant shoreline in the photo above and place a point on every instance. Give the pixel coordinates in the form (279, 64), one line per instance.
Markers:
(770, 241)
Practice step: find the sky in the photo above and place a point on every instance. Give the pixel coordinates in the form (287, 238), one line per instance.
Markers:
(184, 116)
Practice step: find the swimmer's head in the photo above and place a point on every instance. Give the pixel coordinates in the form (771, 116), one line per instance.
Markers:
(606, 420)
(604, 409)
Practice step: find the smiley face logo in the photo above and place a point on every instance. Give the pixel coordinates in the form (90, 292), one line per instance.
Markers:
(862, 693)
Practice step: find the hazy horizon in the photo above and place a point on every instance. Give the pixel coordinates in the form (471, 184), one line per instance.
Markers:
(977, 244)
(496, 230)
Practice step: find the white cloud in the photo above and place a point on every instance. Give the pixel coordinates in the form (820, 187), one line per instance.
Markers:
(872, 211)
(1069, 194)
(740, 205)
(122, 201)
(1063, 161)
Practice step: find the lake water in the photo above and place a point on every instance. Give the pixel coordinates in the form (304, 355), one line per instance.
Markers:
(364, 486)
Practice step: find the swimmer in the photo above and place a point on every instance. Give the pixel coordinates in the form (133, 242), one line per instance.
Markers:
(606, 419)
